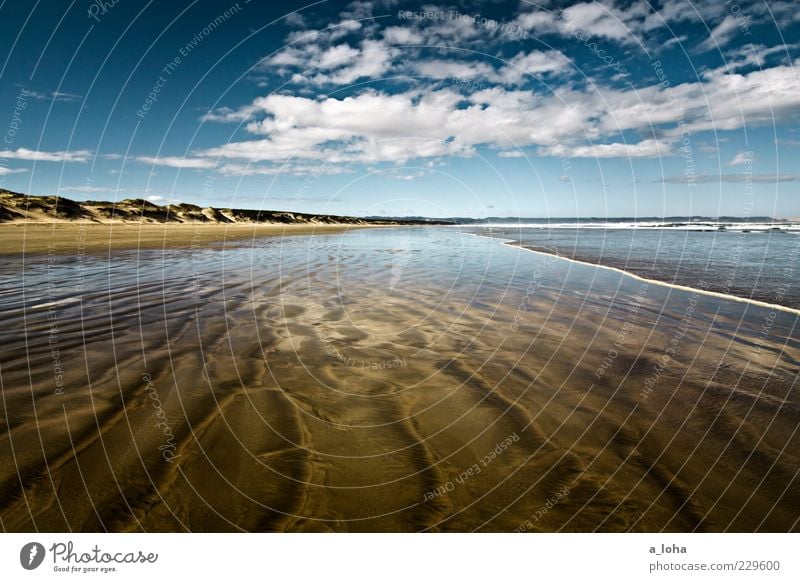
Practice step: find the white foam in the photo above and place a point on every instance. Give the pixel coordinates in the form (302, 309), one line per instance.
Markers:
(56, 303)
(759, 227)
(513, 244)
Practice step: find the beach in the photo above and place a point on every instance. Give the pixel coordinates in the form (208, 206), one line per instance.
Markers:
(393, 379)
(64, 237)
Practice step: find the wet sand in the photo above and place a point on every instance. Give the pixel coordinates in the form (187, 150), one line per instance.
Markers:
(75, 237)
(393, 380)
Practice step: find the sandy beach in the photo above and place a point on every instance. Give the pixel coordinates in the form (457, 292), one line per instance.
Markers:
(388, 380)
(72, 237)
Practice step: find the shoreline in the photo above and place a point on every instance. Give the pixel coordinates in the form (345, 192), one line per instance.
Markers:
(36, 238)
(756, 302)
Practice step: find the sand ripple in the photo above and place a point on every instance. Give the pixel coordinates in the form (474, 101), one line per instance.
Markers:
(398, 380)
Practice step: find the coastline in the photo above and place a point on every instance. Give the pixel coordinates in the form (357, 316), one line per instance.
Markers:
(709, 293)
(34, 238)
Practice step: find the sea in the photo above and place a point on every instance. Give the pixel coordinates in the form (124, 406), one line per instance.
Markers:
(749, 260)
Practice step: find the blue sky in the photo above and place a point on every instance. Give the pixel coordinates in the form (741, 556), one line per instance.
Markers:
(546, 109)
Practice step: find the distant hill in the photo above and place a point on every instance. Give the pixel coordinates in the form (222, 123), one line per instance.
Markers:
(675, 220)
(15, 207)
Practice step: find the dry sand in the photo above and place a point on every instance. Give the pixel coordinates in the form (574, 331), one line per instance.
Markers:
(71, 237)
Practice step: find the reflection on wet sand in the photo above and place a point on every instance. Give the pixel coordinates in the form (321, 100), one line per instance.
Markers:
(393, 380)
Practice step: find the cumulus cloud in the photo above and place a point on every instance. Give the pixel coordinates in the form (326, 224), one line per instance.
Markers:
(602, 20)
(510, 99)
(374, 126)
(632, 22)
(342, 64)
(402, 35)
(532, 64)
(648, 148)
(459, 70)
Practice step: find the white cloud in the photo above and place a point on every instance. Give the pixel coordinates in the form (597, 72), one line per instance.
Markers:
(722, 33)
(295, 19)
(535, 63)
(733, 178)
(58, 96)
(784, 12)
(344, 28)
(234, 169)
(402, 35)
(373, 126)
(648, 148)
(597, 19)
(336, 56)
(177, 162)
(40, 156)
(303, 36)
(157, 199)
(298, 132)
(86, 189)
(741, 158)
(625, 22)
(5, 171)
(680, 40)
(758, 55)
(674, 11)
(373, 60)
(730, 101)
(603, 19)
(537, 20)
(442, 69)
(338, 64)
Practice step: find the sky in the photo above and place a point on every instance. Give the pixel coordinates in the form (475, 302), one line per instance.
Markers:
(512, 109)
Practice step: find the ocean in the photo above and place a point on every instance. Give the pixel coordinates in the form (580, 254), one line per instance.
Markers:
(751, 261)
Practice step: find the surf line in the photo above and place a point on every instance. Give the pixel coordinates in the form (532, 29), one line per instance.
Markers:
(756, 302)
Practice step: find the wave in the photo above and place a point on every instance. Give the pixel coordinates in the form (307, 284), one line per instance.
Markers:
(755, 227)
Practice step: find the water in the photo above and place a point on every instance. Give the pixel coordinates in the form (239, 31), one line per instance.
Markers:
(353, 383)
(760, 265)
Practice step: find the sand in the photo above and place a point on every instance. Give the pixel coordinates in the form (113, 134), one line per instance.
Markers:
(71, 237)
(372, 382)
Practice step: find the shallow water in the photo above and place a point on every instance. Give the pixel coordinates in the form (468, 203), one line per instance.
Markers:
(760, 265)
(387, 380)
